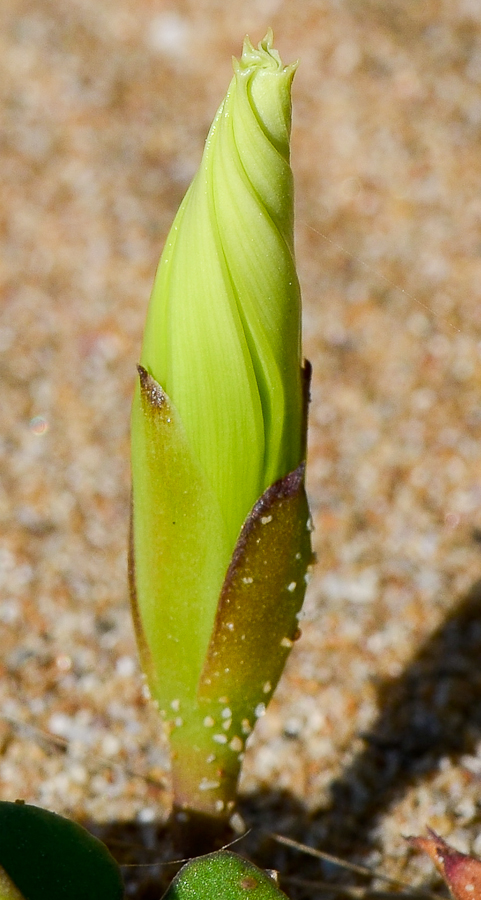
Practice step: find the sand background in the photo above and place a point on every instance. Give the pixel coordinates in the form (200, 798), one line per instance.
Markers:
(375, 730)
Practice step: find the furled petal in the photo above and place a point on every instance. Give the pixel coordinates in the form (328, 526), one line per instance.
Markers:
(223, 329)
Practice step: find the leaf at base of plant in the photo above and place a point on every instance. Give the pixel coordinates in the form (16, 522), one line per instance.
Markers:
(222, 875)
(48, 857)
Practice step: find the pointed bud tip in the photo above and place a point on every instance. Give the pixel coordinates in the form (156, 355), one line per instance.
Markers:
(264, 56)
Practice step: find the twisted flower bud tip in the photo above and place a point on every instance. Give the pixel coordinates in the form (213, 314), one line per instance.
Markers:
(264, 56)
(223, 330)
(266, 61)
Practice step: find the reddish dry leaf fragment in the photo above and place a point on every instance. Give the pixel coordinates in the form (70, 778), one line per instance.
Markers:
(461, 873)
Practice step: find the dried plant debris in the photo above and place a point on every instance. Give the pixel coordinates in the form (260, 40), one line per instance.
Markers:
(462, 873)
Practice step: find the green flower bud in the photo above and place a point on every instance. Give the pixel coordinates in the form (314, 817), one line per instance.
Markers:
(218, 441)
(223, 328)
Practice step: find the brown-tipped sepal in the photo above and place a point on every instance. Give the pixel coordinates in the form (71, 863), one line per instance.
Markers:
(257, 615)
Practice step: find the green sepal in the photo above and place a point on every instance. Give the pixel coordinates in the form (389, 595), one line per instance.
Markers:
(48, 857)
(222, 875)
(179, 554)
(257, 614)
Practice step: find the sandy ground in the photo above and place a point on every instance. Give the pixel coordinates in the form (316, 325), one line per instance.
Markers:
(375, 730)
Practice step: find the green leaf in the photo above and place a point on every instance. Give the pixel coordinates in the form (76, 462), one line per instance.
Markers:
(222, 876)
(48, 857)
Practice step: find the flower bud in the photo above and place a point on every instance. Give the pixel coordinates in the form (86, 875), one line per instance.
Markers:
(219, 541)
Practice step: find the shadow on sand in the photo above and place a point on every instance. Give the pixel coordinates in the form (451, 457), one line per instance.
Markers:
(431, 711)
